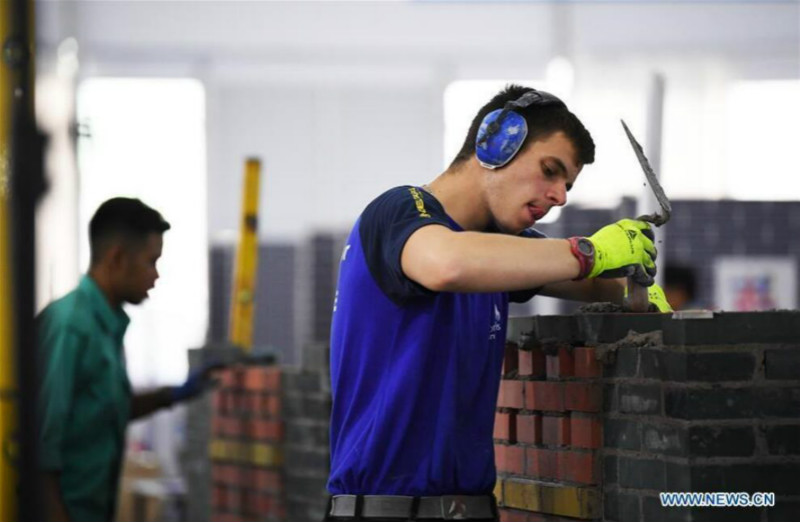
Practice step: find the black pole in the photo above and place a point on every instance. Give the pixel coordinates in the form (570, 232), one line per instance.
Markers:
(26, 185)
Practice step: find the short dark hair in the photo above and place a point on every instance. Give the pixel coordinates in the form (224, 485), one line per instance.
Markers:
(543, 120)
(125, 218)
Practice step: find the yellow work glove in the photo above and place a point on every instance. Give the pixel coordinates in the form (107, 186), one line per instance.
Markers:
(624, 249)
(658, 301)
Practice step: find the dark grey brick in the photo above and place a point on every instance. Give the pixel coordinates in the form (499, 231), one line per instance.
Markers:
(777, 478)
(664, 439)
(779, 402)
(306, 407)
(611, 397)
(715, 403)
(609, 470)
(623, 364)
(784, 510)
(301, 382)
(641, 473)
(782, 364)
(621, 507)
(304, 432)
(622, 434)
(721, 441)
(640, 398)
(678, 476)
(783, 440)
(299, 459)
(716, 514)
(665, 365)
(652, 510)
(720, 366)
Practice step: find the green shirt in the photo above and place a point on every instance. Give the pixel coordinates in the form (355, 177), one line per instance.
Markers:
(84, 399)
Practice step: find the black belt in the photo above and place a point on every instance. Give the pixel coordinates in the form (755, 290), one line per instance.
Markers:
(447, 507)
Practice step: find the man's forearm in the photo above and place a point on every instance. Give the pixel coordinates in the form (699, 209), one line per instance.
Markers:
(143, 404)
(56, 510)
(588, 290)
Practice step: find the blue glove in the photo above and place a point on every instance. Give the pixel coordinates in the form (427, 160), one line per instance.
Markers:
(198, 381)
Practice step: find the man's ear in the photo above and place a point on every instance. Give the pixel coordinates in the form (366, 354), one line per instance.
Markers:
(116, 255)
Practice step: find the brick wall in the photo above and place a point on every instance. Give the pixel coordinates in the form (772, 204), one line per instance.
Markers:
(246, 446)
(307, 409)
(594, 420)
(547, 433)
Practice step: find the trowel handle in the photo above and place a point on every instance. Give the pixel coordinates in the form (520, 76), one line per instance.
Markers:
(637, 300)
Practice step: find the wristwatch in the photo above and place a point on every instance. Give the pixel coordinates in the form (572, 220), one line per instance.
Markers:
(583, 250)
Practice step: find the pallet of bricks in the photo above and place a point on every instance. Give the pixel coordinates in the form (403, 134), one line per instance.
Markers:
(548, 434)
(246, 446)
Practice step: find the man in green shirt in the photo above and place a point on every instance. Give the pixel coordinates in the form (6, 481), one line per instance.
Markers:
(85, 398)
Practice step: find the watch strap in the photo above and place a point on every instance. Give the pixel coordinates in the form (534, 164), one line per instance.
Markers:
(585, 261)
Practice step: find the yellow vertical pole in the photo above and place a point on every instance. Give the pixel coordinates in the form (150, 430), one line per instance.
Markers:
(244, 281)
(8, 385)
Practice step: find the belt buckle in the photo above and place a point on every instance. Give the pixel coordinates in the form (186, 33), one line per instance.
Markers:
(453, 507)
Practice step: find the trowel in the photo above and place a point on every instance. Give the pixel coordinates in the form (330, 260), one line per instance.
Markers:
(637, 300)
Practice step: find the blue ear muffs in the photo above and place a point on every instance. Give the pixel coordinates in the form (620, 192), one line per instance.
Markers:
(503, 131)
(495, 149)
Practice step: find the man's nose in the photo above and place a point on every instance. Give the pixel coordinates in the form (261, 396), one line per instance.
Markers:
(558, 194)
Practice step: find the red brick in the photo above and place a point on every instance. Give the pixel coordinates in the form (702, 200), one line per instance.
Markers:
(510, 394)
(583, 396)
(586, 363)
(227, 377)
(510, 459)
(217, 425)
(250, 402)
(234, 499)
(544, 396)
(560, 365)
(262, 378)
(529, 429)
(541, 463)
(510, 358)
(264, 430)
(233, 427)
(555, 431)
(217, 403)
(230, 402)
(226, 517)
(267, 480)
(220, 497)
(580, 467)
(266, 505)
(587, 432)
(225, 474)
(270, 406)
(505, 427)
(532, 362)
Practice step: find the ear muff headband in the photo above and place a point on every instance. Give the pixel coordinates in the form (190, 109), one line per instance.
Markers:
(503, 131)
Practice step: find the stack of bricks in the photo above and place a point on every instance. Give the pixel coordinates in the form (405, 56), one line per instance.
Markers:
(306, 411)
(246, 446)
(547, 433)
(701, 403)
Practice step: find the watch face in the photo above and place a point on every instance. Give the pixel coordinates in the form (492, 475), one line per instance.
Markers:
(585, 247)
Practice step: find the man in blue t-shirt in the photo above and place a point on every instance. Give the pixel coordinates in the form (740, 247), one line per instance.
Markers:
(419, 319)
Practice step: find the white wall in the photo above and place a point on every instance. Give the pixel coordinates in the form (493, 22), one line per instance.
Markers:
(343, 99)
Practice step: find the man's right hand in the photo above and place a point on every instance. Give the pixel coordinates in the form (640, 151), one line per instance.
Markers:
(623, 249)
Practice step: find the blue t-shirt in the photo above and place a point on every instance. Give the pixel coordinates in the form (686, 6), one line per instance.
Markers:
(414, 373)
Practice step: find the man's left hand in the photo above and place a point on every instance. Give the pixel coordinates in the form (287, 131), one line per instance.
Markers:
(657, 299)
(197, 382)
